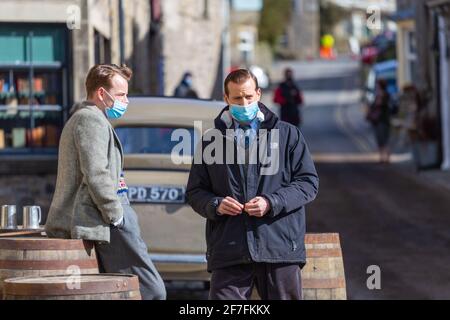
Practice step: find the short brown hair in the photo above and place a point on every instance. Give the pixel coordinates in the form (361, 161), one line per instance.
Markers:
(100, 75)
(238, 76)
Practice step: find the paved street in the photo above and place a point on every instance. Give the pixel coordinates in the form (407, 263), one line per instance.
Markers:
(386, 215)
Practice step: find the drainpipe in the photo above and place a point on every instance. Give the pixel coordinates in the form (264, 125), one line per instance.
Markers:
(121, 33)
(226, 60)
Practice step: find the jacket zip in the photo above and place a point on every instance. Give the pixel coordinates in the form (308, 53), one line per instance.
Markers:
(242, 174)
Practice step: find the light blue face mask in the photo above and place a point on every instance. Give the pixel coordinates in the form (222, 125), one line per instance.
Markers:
(244, 114)
(188, 81)
(117, 110)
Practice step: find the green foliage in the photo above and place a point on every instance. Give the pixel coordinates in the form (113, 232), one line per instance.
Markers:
(275, 17)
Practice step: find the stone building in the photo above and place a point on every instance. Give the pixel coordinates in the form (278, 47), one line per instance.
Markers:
(424, 42)
(47, 48)
(193, 37)
(364, 20)
(303, 32)
(243, 36)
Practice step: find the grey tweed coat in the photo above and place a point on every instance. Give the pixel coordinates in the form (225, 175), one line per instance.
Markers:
(90, 162)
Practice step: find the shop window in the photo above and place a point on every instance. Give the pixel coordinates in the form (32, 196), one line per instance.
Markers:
(33, 88)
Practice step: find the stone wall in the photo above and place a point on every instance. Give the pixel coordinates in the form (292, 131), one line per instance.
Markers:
(192, 38)
(26, 190)
(303, 32)
(99, 15)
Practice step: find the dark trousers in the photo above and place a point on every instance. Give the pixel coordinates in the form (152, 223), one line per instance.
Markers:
(273, 281)
(127, 253)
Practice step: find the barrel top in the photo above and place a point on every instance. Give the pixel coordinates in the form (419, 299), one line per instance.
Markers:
(58, 279)
(71, 285)
(43, 244)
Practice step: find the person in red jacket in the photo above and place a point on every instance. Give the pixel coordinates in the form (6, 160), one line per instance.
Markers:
(290, 98)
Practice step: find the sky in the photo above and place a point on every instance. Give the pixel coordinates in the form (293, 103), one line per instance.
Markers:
(247, 4)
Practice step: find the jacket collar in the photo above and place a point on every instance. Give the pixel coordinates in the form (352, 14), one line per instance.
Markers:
(268, 119)
(90, 105)
(86, 104)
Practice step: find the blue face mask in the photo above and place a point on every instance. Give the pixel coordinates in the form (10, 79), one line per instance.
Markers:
(117, 110)
(244, 114)
(188, 81)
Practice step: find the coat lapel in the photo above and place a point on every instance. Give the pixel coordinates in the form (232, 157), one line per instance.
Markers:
(93, 107)
(119, 145)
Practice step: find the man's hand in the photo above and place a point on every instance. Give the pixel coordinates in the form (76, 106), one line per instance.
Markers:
(257, 207)
(118, 223)
(230, 206)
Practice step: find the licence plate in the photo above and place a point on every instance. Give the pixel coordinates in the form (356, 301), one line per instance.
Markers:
(156, 194)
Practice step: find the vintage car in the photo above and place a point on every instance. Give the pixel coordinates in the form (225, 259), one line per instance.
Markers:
(157, 179)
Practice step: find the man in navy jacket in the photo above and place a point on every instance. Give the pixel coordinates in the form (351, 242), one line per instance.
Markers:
(253, 194)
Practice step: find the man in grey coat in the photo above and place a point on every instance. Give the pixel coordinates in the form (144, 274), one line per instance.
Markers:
(90, 201)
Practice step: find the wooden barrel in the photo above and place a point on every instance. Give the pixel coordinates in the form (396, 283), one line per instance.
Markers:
(82, 287)
(22, 257)
(323, 276)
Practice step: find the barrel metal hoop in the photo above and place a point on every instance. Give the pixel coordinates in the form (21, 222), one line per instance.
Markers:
(121, 283)
(47, 264)
(44, 244)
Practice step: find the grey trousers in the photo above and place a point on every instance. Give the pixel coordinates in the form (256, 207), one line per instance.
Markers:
(273, 281)
(127, 253)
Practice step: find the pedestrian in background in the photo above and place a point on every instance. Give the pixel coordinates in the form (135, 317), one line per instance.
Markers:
(255, 221)
(290, 99)
(379, 115)
(90, 200)
(409, 106)
(185, 87)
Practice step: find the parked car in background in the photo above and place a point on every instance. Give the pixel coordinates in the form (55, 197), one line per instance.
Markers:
(384, 70)
(174, 233)
(382, 47)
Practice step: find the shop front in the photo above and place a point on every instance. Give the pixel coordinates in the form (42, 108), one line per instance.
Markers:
(34, 88)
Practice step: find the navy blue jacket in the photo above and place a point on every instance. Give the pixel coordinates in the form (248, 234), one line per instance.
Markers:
(277, 237)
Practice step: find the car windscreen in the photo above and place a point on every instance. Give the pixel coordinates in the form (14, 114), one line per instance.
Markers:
(156, 139)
